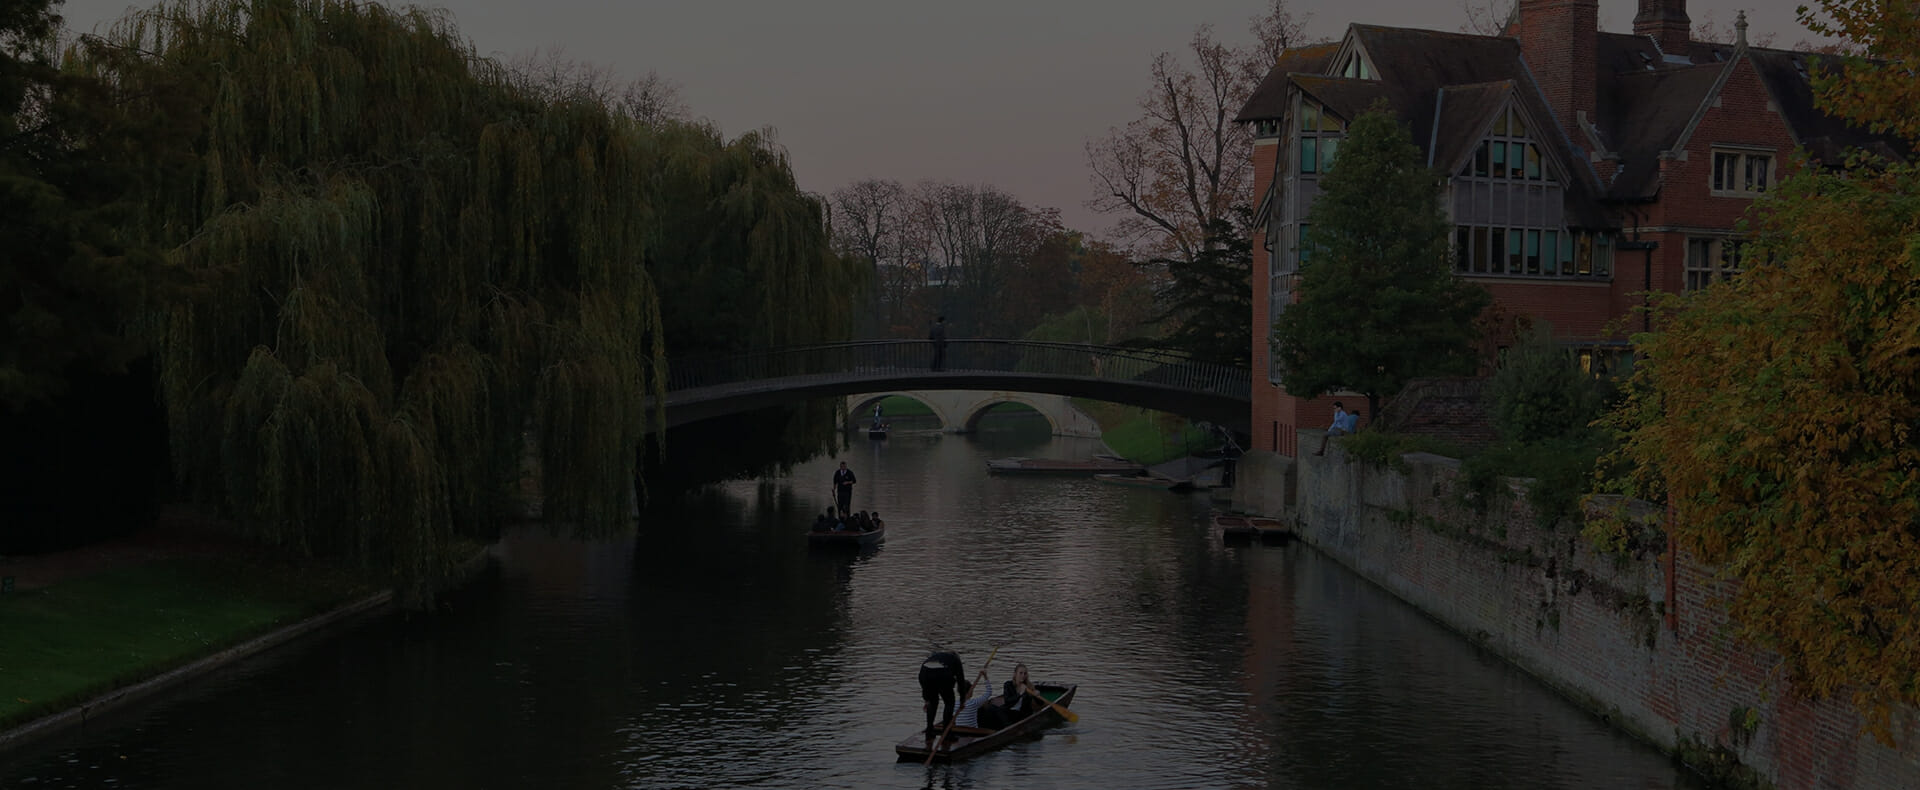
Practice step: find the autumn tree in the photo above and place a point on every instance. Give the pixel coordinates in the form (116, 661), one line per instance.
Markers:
(869, 226)
(1207, 300)
(1379, 304)
(1778, 414)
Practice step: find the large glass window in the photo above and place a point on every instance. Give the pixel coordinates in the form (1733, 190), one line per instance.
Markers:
(1508, 153)
(1320, 134)
(1531, 252)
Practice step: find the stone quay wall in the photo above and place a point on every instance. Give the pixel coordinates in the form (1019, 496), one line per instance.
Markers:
(1615, 632)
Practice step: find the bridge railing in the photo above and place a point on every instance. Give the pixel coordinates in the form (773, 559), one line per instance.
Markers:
(1115, 363)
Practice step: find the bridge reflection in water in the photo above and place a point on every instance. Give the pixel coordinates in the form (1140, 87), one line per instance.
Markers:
(706, 387)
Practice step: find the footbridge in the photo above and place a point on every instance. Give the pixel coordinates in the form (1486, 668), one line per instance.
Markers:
(707, 387)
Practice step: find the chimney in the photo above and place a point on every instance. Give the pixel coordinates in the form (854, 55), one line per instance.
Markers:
(1558, 39)
(1666, 22)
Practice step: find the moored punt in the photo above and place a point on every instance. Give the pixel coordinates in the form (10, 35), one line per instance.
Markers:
(1235, 528)
(967, 742)
(847, 537)
(1271, 530)
(1062, 466)
(1137, 481)
(878, 432)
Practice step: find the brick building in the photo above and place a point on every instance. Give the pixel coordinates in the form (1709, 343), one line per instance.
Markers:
(1583, 167)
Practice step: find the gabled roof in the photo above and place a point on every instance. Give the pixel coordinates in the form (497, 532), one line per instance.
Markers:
(1345, 96)
(1269, 101)
(1786, 75)
(1644, 113)
(1465, 113)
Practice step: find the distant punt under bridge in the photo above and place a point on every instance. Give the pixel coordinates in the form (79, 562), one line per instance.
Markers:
(706, 387)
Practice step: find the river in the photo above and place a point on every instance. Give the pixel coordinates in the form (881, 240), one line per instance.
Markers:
(717, 651)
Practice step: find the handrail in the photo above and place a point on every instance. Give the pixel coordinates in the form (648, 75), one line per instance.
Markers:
(869, 357)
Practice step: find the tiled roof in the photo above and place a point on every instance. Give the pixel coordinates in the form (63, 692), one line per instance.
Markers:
(1644, 113)
(1269, 101)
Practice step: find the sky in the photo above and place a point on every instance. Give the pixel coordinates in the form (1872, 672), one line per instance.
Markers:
(1005, 93)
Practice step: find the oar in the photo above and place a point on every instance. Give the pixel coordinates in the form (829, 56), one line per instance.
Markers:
(1064, 713)
(933, 748)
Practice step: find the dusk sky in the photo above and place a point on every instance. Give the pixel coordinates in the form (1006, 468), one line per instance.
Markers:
(1000, 92)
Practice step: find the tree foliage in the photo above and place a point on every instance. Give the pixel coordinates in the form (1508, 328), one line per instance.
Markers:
(1779, 413)
(1207, 301)
(404, 259)
(1379, 302)
(1539, 392)
(69, 278)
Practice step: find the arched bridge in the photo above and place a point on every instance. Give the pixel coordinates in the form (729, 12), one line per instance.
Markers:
(707, 387)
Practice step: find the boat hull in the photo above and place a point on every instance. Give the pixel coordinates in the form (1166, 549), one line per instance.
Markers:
(847, 538)
(964, 743)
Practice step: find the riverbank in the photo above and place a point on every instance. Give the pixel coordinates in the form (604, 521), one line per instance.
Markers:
(89, 629)
(1637, 637)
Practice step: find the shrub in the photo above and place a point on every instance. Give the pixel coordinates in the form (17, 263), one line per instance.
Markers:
(1539, 393)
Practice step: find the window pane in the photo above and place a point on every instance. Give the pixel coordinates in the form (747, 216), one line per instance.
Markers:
(1517, 127)
(1304, 246)
(1549, 252)
(1309, 155)
(1533, 163)
(1499, 160)
(1533, 252)
(1516, 153)
(1328, 147)
(1462, 248)
(1583, 253)
(1516, 256)
(1603, 256)
(1724, 167)
(1500, 123)
(1480, 250)
(1497, 251)
(1757, 167)
(1566, 253)
(1309, 116)
(1480, 160)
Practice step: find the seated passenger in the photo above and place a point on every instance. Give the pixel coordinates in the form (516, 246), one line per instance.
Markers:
(969, 715)
(1018, 701)
(823, 522)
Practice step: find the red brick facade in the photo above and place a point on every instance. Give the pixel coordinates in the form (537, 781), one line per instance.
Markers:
(1671, 201)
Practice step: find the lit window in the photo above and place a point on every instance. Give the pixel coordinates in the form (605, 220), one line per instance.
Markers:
(1742, 172)
(1531, 252)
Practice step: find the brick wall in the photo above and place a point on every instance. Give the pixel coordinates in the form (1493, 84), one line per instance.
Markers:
(1596, 629)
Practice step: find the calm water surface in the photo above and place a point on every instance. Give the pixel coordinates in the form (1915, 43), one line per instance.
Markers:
(717, 650)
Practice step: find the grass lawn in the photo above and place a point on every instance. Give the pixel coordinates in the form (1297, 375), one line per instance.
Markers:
(69, 641)
(1146, 437)
(902, 406)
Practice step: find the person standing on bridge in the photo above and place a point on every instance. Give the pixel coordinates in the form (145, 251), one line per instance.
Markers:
(938, 335)
(843, 489)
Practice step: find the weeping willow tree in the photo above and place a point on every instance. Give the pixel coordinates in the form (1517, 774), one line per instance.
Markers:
(403, 262)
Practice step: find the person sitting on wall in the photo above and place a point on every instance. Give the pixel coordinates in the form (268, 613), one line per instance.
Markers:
(1344, 424)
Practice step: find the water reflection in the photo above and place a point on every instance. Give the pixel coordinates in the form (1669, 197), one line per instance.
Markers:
(715, 649)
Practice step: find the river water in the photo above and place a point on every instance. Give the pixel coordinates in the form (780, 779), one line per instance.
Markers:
(717, 650)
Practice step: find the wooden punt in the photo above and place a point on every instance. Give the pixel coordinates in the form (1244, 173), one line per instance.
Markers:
(968, 742)
(877, 432)
(1137, 481)
(1235, 528)
(1062, 466)
(1270, 530)
(847, 538)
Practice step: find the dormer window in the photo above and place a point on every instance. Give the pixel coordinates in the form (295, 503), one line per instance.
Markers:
(1508, 153)
(1357, 68)
(1320, 133)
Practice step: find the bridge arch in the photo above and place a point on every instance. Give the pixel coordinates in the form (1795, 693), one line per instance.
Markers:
(971, 422)
(860, 407)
